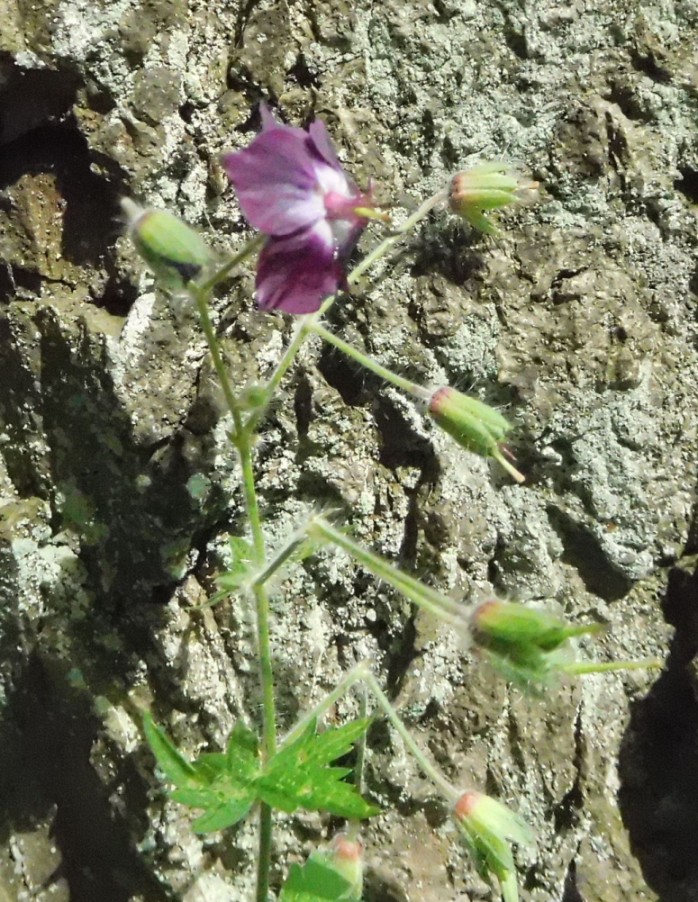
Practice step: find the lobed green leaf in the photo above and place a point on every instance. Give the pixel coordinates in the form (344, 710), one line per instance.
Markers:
(227, 785)
(298, 776)
(174, 765)
(317, 880)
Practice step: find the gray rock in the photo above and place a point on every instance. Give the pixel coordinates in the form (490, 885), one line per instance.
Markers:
(118, 486)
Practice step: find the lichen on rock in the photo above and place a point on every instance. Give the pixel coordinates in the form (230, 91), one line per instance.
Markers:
(118, 486)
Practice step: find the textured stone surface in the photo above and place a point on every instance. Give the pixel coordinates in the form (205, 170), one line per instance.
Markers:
(117, 487)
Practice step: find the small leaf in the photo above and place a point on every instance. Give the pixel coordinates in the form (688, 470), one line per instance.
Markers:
(298, 775)
(209, 766)
(223, 785)
(230, 779)
(175, 767)
(224, 815)
(194, 798)
(316, 880)
(243, 742)
(332, 744)
(241, 566)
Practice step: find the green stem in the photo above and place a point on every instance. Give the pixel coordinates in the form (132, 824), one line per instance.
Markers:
(353, 828)
(242, 438)
(388, 243)
(582, 667)
(412, 388)
(264, 853)
(361, 746)
(280, 371)
(243, 442)
(355, 675)
(201, 295)
(422, 595)
(266, 670)
(246, 251)
(281, 555)
(362, 673)
(506, 465)
(425, 764)
(307, 323)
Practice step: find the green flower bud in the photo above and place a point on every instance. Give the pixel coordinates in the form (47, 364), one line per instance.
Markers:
(488, 827)
(516, 623)
(474, 425)
(346, 856)
(487, 187)
(172, 249)
(524, 644)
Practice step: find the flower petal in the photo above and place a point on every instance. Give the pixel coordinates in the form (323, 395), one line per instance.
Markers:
(269, 120)
(276, 181)
(322, 143)
(346, 235)
(297, 272)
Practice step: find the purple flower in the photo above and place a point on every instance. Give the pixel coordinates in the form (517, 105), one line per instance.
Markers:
(291, 186)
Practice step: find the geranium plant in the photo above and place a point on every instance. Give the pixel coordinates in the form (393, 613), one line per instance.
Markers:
(309, 215)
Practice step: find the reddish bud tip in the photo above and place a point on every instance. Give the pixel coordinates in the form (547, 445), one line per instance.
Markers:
(346, 849)
(466, 805)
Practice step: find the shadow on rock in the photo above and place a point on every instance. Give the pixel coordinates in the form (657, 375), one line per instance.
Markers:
(658, 764)
(47, 777)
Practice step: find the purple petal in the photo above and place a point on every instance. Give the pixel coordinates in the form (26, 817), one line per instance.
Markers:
(276, 181)
(296, 273)
(345, 235)
(269, 121)
(321, 142)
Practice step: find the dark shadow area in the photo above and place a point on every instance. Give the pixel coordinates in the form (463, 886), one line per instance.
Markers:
(688, 183)
(51, 742)
(353, 382)
(449, 249)
(46, 742)
(92, 217)
(658, 765)
(570, 891)
(121, 503)
(400, 445)
(142, 517)
(583, 552)
(31, 97)
(134, 518)
(39, 135)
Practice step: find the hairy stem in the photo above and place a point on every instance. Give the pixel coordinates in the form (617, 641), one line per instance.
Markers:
(388, 243)
(429, 769)
(361, 746)
(264, 853)
(246, 251)
(355, 675)
(361, 673)
(243, 440)
(578, 668)
(201, 295)
(412, 388)
(422, 595)
(307, 323)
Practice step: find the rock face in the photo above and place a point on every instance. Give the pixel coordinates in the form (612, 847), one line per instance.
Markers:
(118, 487)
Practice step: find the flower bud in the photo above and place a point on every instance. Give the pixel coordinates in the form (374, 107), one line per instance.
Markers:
(524, 644)
(487, 187)
(488, 827)
(474, 425)
(517, 623)
(172, 249)
(346, 856)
